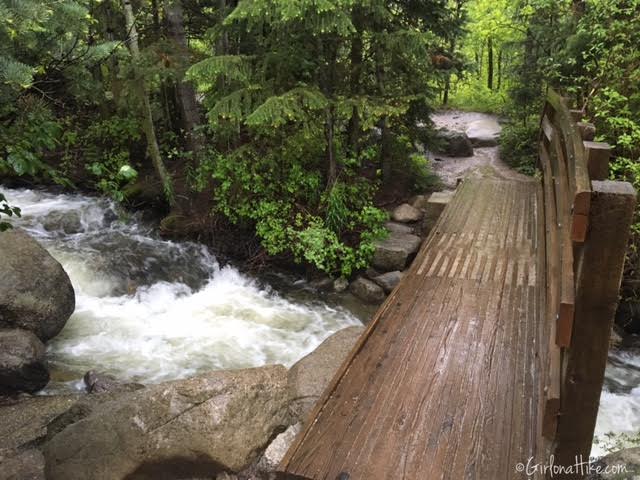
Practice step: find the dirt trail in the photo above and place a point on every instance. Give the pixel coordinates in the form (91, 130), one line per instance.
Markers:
(485, 162)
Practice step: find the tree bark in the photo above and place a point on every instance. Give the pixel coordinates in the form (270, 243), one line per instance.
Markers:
(353, 128)
(499, 86)
(190, 113)
(385, 137)
(490, 63)
(149, 129)
(332, 168)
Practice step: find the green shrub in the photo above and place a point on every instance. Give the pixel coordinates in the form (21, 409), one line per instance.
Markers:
(471, 94)
(518, 146)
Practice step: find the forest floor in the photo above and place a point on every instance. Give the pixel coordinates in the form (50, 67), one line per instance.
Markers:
(485, 161)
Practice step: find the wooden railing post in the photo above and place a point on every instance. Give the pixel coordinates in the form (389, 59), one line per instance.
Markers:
(598, 155)
(599, 273)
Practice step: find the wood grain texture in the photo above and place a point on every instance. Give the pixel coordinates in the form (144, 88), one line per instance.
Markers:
(446, 382)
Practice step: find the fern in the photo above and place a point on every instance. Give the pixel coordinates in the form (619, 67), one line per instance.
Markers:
(230, 67)
(15, 73)
(296, 105)
(236, 106)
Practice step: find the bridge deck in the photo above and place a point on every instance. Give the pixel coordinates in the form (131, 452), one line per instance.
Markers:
(445, 382)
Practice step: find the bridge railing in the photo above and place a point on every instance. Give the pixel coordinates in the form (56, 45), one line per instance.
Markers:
(587, 223)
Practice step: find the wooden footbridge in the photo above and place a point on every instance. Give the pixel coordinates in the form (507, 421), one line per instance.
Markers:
(489, 356)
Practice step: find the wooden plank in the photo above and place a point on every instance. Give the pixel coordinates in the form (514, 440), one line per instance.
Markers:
(462, 326)
(577, 163)
(547, 128)
(603, 253)
(551, 393)
(567, 286)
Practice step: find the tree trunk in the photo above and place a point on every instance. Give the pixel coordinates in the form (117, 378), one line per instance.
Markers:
(490, 63)
(385, 138)
(499, 70)
(353, 128)
(332, 169)
(189, 110)
(149, 130)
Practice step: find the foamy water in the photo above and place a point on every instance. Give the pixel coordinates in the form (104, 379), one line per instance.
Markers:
(619, 412)
(151, 310)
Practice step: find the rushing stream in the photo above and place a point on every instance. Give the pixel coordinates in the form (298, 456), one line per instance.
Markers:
(150, 310)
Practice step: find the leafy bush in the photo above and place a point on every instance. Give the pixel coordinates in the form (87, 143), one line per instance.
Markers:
(518, 146)
(7, 210)
(105, 147)
(281, 193)
(472, 94)
(34, 132)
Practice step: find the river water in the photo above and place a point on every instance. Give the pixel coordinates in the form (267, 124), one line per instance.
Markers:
(150, 310)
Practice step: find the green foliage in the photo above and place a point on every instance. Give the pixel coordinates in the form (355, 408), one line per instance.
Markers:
(106, 149)
(518, 145)
(7, 210)
(471, 94)
(278, 192)
(299, 110)
(33, 132)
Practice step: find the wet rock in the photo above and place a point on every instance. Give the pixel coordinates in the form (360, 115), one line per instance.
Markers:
(68, 222)
(628, 316)
(183, 429)
(453, 144)
(324, 283)
(97, 382)
(394, 252)
(21, 465)
(395, 227)
(278, 448)
(22, 367)
(388, 281)
(25, 421)
(340, 284)
(624, 464)
(484, 133)
(367, 291)
(109, 217)
(420, 201)
(371, 273)
(309, 377)
(405, 213)
(35, 291)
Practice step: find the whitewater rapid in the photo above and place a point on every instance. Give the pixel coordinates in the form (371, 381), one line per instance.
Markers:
(150, 310)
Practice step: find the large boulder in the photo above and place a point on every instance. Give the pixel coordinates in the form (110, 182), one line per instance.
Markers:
(395, 227)
(367, 291)
(22, 366)
(388, 281)
(25, 422)
(21, 465)
(394, 252)
(35, 291)
(484, 133)
(276, 451)
(182, 429)
(616, 466)
(405, 213)
(68, 222)
(309, 377)
(453, 144)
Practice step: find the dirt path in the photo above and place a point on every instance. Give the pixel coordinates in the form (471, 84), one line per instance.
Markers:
(485, 162)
